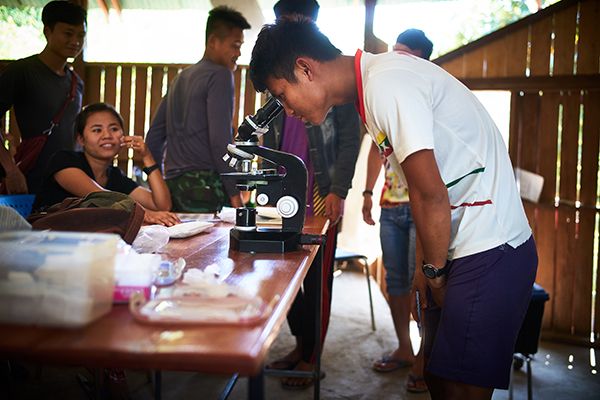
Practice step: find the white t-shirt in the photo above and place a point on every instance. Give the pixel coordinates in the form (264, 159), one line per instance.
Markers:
(409, 104)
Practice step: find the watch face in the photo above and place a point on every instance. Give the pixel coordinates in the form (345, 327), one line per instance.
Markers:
(429, 271)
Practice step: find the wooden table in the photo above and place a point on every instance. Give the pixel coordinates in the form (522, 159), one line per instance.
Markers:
(117, 340)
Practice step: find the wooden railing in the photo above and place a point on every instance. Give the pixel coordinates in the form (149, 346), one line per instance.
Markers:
(136, 91)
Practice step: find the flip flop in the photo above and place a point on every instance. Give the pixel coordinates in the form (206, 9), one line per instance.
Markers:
(388, 360)
(414, 380)
(287, 364)
(310, 382)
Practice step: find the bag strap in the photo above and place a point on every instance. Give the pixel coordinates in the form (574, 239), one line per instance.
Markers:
(56, 119)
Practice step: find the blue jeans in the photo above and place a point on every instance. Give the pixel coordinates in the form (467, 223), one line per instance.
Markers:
(397, 235)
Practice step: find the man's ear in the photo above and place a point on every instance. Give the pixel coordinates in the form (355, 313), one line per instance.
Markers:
(212, 40)
(305, 67)
(47, 32)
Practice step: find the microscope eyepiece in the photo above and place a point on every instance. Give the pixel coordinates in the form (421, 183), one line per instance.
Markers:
(261, 119)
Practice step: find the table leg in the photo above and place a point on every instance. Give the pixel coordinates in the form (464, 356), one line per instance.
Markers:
(318, 324)
(229, 387)
(7, 378)
(256, 387)
(97, 382)
(157, 385)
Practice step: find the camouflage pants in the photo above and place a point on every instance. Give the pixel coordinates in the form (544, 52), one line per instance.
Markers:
(198, 192)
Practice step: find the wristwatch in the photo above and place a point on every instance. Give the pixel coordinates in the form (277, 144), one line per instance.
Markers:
(432, 272)
(150, 169)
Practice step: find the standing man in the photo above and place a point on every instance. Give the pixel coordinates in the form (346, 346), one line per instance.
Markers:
(476, 258)
(329, 151)
(38, 87)
(397, 236)
(193, 122)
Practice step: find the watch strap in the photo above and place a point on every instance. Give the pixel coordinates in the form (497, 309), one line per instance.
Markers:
(149, 170)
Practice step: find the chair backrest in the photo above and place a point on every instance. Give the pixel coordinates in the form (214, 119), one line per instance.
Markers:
(20, 202)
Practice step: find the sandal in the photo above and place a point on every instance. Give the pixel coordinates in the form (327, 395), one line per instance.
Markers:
(414, 380)
(308, 383)
(386, 364)
(287, 365)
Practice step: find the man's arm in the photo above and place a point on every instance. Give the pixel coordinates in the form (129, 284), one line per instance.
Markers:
(219, 112)
(374, 164)
(156, 138)
(348, 141)
(15, 180)
(430, 209)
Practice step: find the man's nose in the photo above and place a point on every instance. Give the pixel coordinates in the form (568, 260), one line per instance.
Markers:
(288, 110)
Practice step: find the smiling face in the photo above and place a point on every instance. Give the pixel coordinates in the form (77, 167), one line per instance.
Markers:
(303, 99)
(226, 52)
(102, 135)
(65, 40)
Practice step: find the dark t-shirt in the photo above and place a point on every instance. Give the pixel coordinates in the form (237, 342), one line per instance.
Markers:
(38, 94)
(51, 192)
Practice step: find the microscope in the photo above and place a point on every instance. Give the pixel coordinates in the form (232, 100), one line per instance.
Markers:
(283, 187)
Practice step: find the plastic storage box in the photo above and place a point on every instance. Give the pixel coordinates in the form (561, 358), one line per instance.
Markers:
(57, 279)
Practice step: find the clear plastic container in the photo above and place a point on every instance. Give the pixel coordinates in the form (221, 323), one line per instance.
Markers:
(56, 279)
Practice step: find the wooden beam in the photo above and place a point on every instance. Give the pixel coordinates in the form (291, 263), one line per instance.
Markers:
(104, 7)
(116, 4)
(372, 43)
(545, 83)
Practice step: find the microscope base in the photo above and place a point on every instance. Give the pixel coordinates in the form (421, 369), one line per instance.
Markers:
(264, 241)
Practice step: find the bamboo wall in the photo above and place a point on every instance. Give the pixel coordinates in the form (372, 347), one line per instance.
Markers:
(550, 63)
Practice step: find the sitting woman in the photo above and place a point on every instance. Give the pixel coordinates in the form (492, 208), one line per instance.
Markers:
(99, 130)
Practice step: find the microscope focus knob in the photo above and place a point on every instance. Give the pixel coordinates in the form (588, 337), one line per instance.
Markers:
(287, 206)
(262, 199)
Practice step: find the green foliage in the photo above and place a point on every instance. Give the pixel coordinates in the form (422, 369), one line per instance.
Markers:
(21, 32)
(492, 15)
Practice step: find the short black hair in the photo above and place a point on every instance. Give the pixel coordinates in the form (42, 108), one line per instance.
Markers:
(279, 45)
(415, 39)
(221, 21)
(82, 117)
(308, 8)
(63, 11)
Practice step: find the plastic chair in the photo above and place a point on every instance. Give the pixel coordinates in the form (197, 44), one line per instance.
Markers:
(20, 202)
(343, 255)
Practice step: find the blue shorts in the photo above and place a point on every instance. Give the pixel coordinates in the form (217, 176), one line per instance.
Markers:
(397, 236)
(471, 339)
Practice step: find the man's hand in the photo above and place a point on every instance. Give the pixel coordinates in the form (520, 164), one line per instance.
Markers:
(366, 209)
(420, 283)
(16, 182)
(333, 208)
(236, 201)
(438, 288)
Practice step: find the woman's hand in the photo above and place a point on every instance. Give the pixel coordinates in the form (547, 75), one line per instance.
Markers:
(165, 218)
(137, 144)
